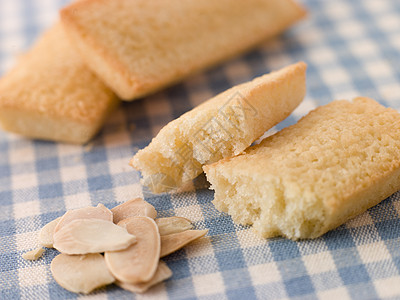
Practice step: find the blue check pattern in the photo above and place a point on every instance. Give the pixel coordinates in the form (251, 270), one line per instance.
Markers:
(352, 48)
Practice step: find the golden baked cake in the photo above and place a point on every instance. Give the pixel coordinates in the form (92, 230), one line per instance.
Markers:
(223, 126)
(336, 162)
(50, 94)
(140, 46)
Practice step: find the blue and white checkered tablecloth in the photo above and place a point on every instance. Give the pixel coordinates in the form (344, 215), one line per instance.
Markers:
(352, 48)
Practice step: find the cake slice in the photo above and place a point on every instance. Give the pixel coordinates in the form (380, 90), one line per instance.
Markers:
(220, 127)
(50, 94)
(140, 46)
(335, 163)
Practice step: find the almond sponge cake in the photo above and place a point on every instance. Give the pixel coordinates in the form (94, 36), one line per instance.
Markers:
(140, 46)
(220, 127)
(50, 94)
(335, 163)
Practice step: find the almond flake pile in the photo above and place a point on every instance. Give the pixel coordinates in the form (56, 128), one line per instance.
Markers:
(123, 246)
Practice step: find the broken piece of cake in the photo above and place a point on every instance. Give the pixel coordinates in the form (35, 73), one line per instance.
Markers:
(335, 163)
(221, 127)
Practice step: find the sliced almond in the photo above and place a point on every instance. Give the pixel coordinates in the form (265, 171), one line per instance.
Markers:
(91, 236)
(81, 273)
(133, 208)
(33, 254)
(99, 212)
(173, 225)
(172, 242)
(162, 273)
(47, 232)
(137, 263)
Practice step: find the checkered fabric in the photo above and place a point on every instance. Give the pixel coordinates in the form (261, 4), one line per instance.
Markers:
(352, 48)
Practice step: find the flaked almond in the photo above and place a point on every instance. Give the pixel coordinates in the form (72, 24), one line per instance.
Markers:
(91, 236)
(133, 208)
(47, 232)
(172, 225)
(162, 273)
(172, 242)
(99, 212)
(81, 273)
(139, 261)
(33, 254)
